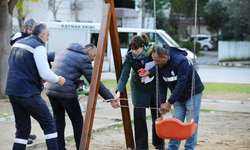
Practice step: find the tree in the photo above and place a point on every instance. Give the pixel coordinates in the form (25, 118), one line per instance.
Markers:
(231, 17)
(214, 15)
(148, 6)
(6, 13)
(22, 12)
(238, 24)
(54, 5)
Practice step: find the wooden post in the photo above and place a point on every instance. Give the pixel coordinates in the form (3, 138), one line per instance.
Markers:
(108, 23)
(118, 69)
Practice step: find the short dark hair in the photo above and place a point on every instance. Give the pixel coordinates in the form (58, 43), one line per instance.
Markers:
(91, 46)
(161, 52)
(29, 23)
(39, 28)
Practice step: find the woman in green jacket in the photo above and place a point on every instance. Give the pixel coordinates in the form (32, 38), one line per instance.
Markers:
(143, 94)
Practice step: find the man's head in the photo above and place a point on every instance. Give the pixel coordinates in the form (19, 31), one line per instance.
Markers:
(160, 56)
(91, 48)
(41, 30)
(27, 26)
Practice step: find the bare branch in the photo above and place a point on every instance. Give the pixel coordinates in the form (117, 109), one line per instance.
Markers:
(58, 5)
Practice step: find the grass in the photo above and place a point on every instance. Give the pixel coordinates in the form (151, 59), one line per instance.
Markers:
(226, 88)
(5, 115)
(112, 84)
(209, 87)
(200, 54)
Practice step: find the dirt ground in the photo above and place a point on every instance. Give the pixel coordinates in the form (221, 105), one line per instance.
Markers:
(217, 130)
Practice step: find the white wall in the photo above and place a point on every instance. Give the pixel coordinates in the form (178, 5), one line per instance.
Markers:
(91, 11)
(233, 50)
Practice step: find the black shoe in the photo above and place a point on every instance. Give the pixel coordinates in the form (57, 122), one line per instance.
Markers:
(160, 147)
(30, 141)
(32, 136)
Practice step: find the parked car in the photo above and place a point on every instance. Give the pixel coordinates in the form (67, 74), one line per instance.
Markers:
(205, 40)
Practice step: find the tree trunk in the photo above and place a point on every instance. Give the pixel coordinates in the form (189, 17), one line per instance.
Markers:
(5, 33)
(170, 14)
(142, 13)
(191, 19)
(20, 20)
(199, 25)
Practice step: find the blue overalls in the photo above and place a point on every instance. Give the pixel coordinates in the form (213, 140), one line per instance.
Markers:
(24, 88)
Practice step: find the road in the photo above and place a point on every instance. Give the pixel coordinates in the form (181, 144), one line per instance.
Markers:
(224, 74)
(212, 73)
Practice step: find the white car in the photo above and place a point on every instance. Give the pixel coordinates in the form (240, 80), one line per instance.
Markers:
(205, 40)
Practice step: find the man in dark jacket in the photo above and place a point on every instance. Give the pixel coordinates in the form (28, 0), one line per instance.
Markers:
(72, 62)
(175, 73)
(26, 31)
(28, 65)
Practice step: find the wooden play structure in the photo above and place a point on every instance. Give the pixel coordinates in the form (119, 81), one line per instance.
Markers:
(108, 25)
(169, 128)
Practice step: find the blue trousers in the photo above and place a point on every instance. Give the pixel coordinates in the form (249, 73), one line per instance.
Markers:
(73, 110)
(34, 106)
(182, 111)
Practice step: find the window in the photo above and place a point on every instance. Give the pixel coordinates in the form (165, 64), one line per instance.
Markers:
(124, 4)
(125, 38)
(202, 38)
(151, 37)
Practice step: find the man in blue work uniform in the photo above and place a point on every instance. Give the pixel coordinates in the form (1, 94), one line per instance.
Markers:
(28, 66)
(175, 73)
(26, 31)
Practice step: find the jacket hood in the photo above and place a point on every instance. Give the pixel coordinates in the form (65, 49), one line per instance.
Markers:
(176, 51)
(77, 48)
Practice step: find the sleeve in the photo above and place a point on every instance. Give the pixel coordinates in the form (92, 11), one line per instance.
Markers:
(152, 71)
(51, 57)
(87, 71)
(126, 67)
(182, 77)
(163, 88)
(40, 57)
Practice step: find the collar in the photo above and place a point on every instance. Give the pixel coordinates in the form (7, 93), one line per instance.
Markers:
(37, 38)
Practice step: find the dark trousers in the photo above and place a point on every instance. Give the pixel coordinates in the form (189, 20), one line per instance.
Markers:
(141, 131)
(34, 106)
(73, 110)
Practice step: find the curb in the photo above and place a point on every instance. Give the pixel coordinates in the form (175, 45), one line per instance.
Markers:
(225, 101)
(235, 64)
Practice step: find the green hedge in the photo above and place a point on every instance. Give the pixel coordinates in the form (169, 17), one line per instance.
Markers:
(190, 46)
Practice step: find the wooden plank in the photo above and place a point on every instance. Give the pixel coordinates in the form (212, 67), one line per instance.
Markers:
(95, 81)
(118, 69)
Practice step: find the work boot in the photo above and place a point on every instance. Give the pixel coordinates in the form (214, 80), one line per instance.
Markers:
(160, 147)
(32, 136)
(30, 141)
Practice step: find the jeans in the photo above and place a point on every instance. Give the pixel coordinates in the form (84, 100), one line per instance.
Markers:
(182, 111)
(73, 110)
(34, 106)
